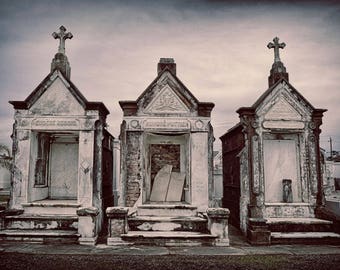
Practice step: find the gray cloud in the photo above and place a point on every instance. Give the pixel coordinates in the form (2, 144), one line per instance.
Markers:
(219, 47)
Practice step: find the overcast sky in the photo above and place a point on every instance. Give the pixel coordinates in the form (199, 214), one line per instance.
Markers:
(219, 47)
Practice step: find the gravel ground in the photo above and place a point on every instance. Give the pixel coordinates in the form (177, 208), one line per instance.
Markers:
(36, 261)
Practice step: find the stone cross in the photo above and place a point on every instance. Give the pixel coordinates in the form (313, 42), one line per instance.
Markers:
(276, 45)
(62, 36)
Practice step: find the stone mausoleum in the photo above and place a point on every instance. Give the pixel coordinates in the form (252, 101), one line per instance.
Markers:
(271, 165)
(167, 167)
(62, 178)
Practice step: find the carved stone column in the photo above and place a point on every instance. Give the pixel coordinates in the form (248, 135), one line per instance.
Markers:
(248, 121)
(317, 122)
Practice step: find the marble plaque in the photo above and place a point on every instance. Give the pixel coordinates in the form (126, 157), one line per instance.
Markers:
(280, 162)
(51, 123)
(170, 124)
(64, 170)
(283, 124)
(161, 184)
(175, 187)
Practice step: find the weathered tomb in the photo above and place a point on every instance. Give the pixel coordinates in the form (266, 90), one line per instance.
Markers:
(271, 164)
(62, 178)
(166, 125)
(166, 167)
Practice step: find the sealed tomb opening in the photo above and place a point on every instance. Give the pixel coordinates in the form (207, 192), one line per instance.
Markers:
(56, 166)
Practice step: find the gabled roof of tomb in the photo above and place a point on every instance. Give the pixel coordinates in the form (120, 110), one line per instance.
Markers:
(278, 76)
(299, 97)
(46, 83)
(295, 92)
(167, 83)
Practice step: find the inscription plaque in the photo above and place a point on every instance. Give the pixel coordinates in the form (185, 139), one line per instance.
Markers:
(52, 123)
(166, 124)
(283, 124)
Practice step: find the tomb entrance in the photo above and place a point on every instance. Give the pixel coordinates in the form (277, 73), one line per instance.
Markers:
(169, 155)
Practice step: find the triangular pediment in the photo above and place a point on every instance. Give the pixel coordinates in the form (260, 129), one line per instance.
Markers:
(57, 99)
(166, 101)
(282, 110)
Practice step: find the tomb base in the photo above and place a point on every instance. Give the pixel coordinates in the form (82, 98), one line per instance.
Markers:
(168, 225)
(87, 225)
(258, 232)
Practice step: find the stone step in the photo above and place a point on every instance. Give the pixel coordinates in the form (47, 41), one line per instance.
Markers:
(319, 238)
(163, 223)
(297, 210)
(169, 238)
(167, 210)
(40, 236)
(299, 225)
(51, 207)
(41, 222)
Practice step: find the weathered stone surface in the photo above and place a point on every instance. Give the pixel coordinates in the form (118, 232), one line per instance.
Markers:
(277, 138)
(56, 100)
(166, 101)
(166, 125)
(258, 232)
(131, 159)
(164, 154)
(118, 224)
(161, 184)
(218, 212)
(58, 151)
(218, 225)
(117, 212)
(175, 189)
(11, 212)
(87, 211)
(280, 162)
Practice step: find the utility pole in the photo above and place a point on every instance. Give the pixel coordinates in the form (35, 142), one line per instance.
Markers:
(331, 146)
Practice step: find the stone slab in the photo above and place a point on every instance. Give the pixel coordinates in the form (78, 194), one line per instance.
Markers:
(64, 170)
(167, 210)
(305, 235)
(298, 221)
(318, 238)
(51, 207)
(169, 234)
(280, 162)
(154, 223)
(175, 189)
(161, 184)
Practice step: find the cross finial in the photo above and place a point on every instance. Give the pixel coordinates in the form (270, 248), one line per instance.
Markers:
(62, 36)
(276, 45)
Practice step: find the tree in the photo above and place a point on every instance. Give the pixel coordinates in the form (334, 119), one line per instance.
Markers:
(5, 157)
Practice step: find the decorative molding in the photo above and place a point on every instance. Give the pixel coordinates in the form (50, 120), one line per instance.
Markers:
(166, 101)
(173, 123)
(282, 110)
(256, 165)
